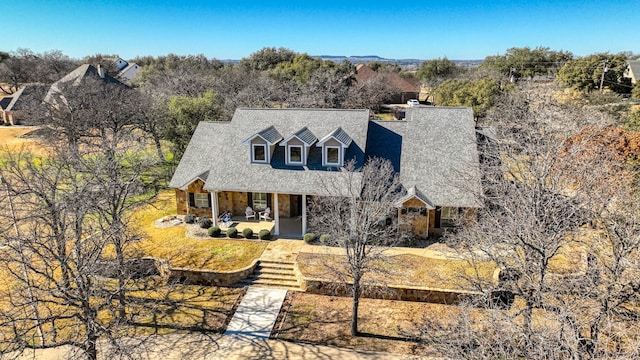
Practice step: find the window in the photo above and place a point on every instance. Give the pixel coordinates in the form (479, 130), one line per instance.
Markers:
(295, 154)
(259, 152)
(332, 155)
(201, 200)
(259, 201)
(449, 216)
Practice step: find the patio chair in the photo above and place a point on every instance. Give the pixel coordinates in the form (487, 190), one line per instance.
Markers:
(225, 219)
(249, 213)
(266, 214)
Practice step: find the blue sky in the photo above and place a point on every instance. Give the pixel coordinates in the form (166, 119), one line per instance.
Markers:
(233, 29)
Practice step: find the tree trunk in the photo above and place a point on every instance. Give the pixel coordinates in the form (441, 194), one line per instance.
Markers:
(354, 310)
(156, 140)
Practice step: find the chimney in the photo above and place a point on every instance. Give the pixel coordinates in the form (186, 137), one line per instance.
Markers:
(100, 71)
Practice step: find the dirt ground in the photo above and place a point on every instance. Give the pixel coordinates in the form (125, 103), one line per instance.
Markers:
(386, 325)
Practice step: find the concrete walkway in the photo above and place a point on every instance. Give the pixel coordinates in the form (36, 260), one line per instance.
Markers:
(257, 313)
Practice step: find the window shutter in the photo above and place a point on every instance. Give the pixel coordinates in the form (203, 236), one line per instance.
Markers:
(250, 199)
(269, 200)
(209, 199)
(438, 215)
(192, 200)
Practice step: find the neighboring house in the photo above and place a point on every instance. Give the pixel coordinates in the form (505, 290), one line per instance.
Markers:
(633, 71)
(278, 158)
(24, 106)
(407, 88)
(128, 72)
(77, 77)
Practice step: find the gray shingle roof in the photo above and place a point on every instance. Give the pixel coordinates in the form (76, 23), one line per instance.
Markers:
(221, 146)
(27, 98)
(434, 151)
(439, 156)
(76, 77)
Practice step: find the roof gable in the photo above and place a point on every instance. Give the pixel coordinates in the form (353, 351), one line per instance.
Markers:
(304, 135)
(339, 135)
(270, 135)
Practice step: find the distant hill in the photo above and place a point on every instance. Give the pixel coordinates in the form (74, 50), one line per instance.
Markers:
(410, 64)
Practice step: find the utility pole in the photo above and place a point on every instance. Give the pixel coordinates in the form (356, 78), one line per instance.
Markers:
(604, 71)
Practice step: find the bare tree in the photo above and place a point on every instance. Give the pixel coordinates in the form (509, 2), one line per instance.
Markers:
(24, 66)
(550, 186)
(355, 217)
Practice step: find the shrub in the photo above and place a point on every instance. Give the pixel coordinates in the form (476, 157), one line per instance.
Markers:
(205, 222)
(247, 233)
(7, 124)
(214, 231)
(232, 232)
(190, 219)
(309, 237)
(264, 234)
(325, 239)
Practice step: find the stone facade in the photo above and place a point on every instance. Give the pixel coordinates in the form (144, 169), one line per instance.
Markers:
(233, 201)
(284, 205)
(182, 200)
(414, 221)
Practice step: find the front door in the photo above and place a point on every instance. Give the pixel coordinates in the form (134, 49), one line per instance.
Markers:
(295, 205)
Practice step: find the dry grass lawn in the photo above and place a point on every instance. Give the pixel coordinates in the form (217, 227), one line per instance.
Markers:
(10, 136)
(408, 270)
(173, 245)
(385, 325)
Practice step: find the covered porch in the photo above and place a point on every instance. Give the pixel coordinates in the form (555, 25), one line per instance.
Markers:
(288, 216)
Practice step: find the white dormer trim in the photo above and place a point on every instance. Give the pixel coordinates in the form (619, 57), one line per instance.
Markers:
(304, 139)
(338, 136)
(270, 137)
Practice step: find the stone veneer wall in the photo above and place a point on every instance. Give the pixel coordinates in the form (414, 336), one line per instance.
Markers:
(234, 201)
(284, 205)
(182, 200)
(393, 292)
(419, 223)
(210, 277)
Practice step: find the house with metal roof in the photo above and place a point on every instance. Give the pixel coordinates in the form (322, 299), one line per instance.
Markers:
(279, 158)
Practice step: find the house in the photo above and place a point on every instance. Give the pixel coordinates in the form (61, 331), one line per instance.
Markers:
(23, 107)
(278, 158)
(633, 70)
(81, 75)
(407, 88)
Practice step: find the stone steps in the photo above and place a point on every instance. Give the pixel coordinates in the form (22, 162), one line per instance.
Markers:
(273, 274)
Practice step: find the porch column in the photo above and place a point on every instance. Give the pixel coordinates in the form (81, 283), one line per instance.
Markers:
(276, 215)
(214, 207)
(304, 214)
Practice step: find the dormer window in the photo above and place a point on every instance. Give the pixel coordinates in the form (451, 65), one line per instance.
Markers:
(259, 153)
(297, 147)
(332, 155)
(294, 154)
(262, 145)
(334, 147)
